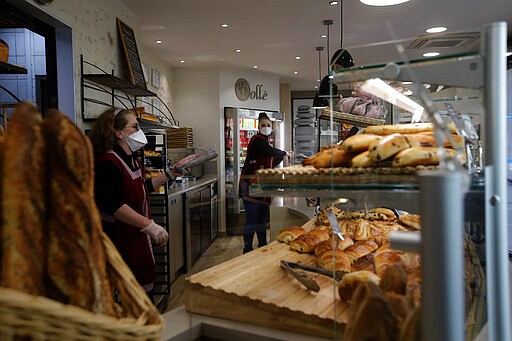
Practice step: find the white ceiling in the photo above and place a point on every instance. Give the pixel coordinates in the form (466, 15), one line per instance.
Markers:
(271, 33)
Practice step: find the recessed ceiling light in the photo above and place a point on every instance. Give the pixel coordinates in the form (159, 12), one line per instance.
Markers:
(297, 57)
(255, 66)
(383, 2)
(406, 83)
(182, 61)
(323, 36)
(295, 72)
(437, 29)
(332, 3)
(508, 54)
(431, 54)
(318, 80)
(407, 93)
(238, 50)
(224, 25)
(158, 41)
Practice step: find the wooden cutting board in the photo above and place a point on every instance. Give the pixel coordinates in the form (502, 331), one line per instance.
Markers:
(253, 288)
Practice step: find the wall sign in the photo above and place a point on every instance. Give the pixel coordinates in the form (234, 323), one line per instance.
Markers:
(243, 91)
(132, 54)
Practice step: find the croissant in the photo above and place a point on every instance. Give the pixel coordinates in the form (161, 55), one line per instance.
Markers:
(289, 234)
(306, 243)
(361, 248)
(350, 281)
(385, 259)
(394, 280)
(327, 245)
(334, 260)
(364, 263)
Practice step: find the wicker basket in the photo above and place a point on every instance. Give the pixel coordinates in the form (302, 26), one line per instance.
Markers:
(4, 51)
(40, 318)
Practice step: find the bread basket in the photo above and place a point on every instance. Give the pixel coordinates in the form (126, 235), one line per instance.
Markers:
(40, 318)
(4, 51)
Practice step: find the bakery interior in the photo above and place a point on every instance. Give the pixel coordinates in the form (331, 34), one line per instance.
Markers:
(416, 241)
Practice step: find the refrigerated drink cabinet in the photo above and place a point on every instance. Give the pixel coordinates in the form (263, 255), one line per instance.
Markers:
(239, 126)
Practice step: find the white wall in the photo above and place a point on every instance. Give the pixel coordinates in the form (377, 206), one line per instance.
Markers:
(94, 34)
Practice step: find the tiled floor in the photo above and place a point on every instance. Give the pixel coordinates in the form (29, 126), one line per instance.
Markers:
(221, 250)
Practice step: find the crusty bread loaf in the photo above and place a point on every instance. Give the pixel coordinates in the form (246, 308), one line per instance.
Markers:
(359, 142)
(288, 234)
(387, 147)
(350, 281)
(394, 280)
(420, 156)
(76, 268)
(23, 191)
(407, 128)
(373, 320)
(306, 243)
(362, 160)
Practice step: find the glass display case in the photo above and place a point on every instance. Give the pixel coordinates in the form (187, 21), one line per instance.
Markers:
(452, 201)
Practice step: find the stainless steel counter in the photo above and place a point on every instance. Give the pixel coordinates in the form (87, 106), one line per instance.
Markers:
(183, 188)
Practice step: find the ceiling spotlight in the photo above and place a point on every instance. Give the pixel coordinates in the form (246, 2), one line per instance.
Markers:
(316, 86)
(333, 3)
(238, 50)
(158, 42)
(298, 57)
(224, 25)
(255, 66)
(323, 36)
(295, 72)
(182, 61)
(437, 29)
(383, 2)
(431, 54)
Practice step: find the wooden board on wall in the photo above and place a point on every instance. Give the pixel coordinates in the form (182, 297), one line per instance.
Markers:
(132, 54)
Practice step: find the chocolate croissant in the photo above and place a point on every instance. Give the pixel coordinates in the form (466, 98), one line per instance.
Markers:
(306, 243)
(289, 234)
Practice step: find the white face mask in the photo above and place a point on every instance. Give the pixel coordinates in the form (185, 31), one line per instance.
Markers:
(136, 140)
(266, 131)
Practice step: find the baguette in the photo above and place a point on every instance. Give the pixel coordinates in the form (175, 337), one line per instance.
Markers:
(23, 207)
(76, 268)
(407, 128)
(332, 157)
(387, 147)
(420, 156)
(359, 142)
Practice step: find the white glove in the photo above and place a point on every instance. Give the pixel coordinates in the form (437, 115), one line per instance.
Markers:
(157, 233)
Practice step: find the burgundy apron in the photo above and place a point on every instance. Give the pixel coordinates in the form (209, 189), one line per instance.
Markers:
(133, 245)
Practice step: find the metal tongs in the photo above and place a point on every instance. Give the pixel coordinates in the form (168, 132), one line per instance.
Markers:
(337, 275)
(308, 281)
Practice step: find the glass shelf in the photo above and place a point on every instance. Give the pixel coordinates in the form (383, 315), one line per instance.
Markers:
(464, 70)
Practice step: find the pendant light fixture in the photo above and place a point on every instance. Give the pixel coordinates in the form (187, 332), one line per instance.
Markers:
(341, 58)
(327, 87)
(320, 102)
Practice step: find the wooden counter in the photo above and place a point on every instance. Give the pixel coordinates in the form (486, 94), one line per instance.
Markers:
(253, 288)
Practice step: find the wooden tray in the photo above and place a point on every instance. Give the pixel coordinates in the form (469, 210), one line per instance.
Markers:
(253, 288)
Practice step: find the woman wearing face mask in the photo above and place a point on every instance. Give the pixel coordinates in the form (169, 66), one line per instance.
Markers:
(260, 154)
(121, 192)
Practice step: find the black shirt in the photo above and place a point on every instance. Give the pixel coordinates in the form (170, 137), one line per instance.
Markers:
(108, 182)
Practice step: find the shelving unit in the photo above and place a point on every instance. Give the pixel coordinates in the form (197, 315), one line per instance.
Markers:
(108, 90)
(6, 68)
(443, 196)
